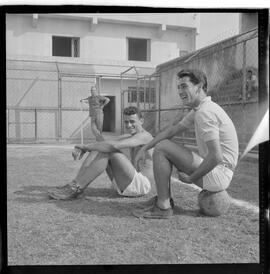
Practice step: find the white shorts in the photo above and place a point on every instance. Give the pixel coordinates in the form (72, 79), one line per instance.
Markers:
(139, 186)
(217, 179)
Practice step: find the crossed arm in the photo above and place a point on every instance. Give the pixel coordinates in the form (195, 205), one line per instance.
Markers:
(105, 101)
(108, 146)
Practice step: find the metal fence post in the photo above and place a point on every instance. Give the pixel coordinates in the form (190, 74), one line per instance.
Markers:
(35, 124)
(159, 104)
(144, 91)
(244, 73)
(149, 101)
(60, 109)
(121, 95)
(8, 125)
(121, 114)
(138, 93)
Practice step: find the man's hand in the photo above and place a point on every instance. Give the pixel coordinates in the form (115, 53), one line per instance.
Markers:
(78, 152)
(183, 177)
(140, 157)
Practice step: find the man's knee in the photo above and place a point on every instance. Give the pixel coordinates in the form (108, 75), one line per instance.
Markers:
(115, 155)
(161, 146)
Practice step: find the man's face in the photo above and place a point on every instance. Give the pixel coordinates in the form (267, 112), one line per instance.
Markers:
(187, 91)
(93, 91)
(133, 124)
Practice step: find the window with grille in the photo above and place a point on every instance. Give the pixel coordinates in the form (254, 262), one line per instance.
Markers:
(138, 49)
(65, 46)
(144, 97)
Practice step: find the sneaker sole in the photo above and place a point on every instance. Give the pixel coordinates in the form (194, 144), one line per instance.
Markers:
(56, 197)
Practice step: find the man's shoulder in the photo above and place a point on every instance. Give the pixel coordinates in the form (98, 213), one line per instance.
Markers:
(209, 109)
(144, 136)
(209, 106)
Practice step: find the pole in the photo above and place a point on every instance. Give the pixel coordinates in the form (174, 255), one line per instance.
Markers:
(244, 73)
(144, 92)
(121, 95)
(35, 124)
(82, 123)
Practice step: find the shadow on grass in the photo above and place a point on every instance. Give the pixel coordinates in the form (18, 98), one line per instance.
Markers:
(35, 194)
(94, 201)
(187, 212)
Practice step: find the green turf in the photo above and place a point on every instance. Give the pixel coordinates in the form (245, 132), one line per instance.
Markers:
(100, 229)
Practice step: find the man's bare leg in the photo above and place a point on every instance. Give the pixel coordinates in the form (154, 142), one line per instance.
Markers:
(97, 133)
(118, 164)
(91, 168)
(166, 154)
(99, 121)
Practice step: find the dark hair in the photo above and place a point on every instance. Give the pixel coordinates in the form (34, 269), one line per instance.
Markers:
(132, 110)
(196, 76)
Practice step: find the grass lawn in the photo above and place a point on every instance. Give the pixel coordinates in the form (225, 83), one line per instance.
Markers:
(98, 228)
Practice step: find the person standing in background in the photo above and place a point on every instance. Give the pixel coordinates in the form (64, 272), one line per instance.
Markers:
(96, 104)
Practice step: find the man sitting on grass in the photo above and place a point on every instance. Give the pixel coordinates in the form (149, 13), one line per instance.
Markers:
(125, 178)
(212, 169)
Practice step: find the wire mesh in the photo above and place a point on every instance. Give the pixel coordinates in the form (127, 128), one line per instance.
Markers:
(227, 65)
(43, 97)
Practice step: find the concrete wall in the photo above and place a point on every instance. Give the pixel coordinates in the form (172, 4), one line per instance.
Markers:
(103, 47)
(106, 42)
(248, 21)
(38, 92)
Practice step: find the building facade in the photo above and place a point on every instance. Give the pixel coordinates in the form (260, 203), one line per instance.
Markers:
(83, 50)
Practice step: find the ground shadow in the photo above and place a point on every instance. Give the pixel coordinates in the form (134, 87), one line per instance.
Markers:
(33, 194)
(187, 212)
(94, 201)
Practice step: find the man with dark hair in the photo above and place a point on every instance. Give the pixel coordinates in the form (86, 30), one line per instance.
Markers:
(96, 104)
(126, 180)
(212, 168)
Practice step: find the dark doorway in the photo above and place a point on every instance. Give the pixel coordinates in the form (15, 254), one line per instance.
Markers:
(109, 115)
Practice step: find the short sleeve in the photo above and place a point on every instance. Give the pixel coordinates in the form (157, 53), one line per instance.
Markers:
(208, 125)
(188, 120)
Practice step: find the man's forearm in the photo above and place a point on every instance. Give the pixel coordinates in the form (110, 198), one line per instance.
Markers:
(206, 166)
(159, 137)
(102, 146)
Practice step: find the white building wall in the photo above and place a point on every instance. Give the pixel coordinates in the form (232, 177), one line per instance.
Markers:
(107, 42)
(106, 45)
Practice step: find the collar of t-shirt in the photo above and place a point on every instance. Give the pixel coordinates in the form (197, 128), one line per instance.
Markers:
(206, 99)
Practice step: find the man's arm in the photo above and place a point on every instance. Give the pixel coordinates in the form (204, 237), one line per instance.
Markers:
(84, 99)
(213, 158)
(116, 145)
(166, 134)
(105, 100)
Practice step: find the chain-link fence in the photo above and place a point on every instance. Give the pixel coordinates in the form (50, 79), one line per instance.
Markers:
(43, 101)
(43, 97)
(232, 70)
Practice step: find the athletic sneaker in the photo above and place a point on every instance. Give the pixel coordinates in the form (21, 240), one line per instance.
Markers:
(151, 202)
(66, 192)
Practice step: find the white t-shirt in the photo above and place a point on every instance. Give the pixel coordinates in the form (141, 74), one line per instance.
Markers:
(212, 122)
